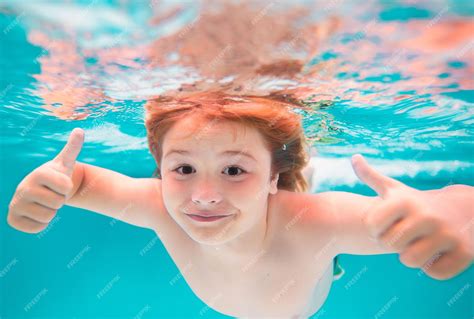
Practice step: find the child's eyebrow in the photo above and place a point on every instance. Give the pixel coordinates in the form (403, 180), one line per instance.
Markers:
(226, 153)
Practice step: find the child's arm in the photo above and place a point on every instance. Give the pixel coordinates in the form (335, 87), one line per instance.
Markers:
(432, 229)
(63, 181)
(136, 201)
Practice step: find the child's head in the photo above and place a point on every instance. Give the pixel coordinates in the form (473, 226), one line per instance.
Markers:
(268, 153)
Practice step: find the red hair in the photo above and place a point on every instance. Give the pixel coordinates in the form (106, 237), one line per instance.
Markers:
(271, 115)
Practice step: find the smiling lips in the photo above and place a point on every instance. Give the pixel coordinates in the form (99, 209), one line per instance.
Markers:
(209, 214)
(206, 219)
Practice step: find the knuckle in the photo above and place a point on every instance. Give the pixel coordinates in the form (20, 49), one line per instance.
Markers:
(59, 202)
(449, 239)
(31, 226)
(34, 228)
(56, 204)
(430, 220)
(37, 175)
(465, 255)
(395, 246)
(408, 204)
(469, 253)
(395, 243)
(411, 260)
(36, 193)
(11, 220)
(61, 199)
(12, 205)
(16, 202)
(50, 216)
(44, 215)
(22, 191)
(439, 274)
(49, 198)
(446, 269)
(25, 225)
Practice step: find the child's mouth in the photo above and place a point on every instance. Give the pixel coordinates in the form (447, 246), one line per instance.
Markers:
(206, 219)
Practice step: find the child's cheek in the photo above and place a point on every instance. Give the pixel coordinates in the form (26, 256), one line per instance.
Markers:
(173, 191)
(251, 191)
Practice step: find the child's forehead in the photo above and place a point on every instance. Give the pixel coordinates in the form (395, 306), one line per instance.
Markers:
(214, 136)
(192, 130)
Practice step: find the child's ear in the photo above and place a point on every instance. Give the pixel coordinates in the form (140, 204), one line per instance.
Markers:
(273, 185)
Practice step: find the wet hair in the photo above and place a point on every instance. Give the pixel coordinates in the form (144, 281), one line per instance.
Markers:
(272, 115)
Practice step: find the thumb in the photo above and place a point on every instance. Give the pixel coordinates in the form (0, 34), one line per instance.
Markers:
(68, 155)
(374, 179)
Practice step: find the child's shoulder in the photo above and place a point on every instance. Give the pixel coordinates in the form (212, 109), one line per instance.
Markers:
(308, 220)
(317, 203)
(307, 211)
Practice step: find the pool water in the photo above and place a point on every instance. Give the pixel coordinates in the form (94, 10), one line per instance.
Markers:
(394, 82)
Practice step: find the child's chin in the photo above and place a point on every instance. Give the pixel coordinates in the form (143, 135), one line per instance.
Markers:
(207, 240)
(210, 236)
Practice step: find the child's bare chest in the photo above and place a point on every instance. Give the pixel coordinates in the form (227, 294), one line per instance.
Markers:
(263, 289)
(285, 280)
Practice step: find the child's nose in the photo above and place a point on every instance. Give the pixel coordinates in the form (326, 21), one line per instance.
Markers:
(201, 201)
(206, 196)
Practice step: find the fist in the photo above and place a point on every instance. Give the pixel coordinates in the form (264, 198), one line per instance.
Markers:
(408, 221)
(45, 190)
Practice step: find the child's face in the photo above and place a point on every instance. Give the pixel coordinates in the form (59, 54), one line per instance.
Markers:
(204, 179)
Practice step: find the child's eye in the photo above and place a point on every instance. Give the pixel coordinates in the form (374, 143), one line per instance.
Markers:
(187, 170)
(234, 169)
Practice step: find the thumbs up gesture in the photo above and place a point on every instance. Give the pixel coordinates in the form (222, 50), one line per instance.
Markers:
(426, 228)
(45, 190)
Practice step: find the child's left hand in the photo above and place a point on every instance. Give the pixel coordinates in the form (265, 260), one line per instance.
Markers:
(431, 230)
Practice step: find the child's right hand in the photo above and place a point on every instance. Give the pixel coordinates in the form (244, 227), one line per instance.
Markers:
(45, 190)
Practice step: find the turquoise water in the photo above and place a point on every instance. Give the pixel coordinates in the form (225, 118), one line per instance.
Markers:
(407, 108)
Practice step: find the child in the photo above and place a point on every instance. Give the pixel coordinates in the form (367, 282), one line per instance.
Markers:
(231, 209)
